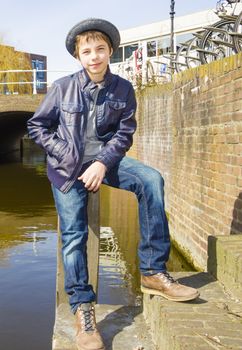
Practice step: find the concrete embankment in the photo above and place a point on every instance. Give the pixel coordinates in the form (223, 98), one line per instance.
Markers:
(214, 321)
(122, 327)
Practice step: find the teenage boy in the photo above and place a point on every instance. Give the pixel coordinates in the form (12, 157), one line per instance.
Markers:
(86, 124)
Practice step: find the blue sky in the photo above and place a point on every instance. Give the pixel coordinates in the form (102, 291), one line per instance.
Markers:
(41, 26)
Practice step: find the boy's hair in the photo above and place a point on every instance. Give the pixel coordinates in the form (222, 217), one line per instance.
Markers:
(86, 36)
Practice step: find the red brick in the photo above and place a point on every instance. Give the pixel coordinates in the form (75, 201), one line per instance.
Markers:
(197, 144)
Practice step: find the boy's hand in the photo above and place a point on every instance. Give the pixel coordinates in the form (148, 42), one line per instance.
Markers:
(93, 176)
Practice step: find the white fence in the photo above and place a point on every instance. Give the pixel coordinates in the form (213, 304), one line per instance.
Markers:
(34, 82)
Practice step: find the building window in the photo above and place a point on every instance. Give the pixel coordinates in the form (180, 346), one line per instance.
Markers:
(39, 65)
(117, 56)
(129, 49)
(182, 38)
(163, 46)
(40, 76)
(151, 48)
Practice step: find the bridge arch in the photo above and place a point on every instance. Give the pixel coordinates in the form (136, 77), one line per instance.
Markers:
(15, 110)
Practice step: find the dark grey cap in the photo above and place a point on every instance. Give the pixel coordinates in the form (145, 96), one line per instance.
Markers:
(93, 24)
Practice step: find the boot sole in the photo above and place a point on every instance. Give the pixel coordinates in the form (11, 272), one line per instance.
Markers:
(87, 349)
(168, 297)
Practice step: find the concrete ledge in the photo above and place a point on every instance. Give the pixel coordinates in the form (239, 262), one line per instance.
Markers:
(225, 262)
(214, 321)
(122, 327)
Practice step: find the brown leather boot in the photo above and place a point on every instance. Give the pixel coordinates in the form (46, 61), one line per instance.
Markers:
(165, 285)
(87, 337)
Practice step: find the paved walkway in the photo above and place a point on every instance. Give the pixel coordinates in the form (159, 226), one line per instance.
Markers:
(214, 321)
(122, 328)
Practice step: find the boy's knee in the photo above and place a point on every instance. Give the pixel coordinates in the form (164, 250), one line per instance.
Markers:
(156, 177)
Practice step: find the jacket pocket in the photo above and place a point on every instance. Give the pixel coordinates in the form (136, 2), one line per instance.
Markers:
(113, 111)
(107, 120)
(116, 105)
(59, 149)
(72, 113)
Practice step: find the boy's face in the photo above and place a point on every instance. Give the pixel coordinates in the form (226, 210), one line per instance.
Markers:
(94, 56)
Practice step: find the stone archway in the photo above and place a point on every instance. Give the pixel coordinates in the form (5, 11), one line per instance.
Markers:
(15, 110)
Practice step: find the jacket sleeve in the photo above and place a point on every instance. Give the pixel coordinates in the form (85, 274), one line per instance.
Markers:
(122, 140)
(41, 127)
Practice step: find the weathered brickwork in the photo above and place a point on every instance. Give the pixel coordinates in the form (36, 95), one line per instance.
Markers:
(191, 131)
(211, 322)
(19, 103)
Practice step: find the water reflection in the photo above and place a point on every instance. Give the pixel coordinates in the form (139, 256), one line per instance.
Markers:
(114, 279)
(119, 210)
(27, 255)
(27, 293)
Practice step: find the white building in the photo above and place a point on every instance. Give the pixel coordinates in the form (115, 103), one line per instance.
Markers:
(152, 41)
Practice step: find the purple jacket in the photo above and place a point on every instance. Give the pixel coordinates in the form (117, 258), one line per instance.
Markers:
(59, 124)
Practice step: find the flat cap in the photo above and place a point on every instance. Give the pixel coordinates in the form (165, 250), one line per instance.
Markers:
(93, 24)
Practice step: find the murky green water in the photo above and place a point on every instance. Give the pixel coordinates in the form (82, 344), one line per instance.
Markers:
(28, 242)
(27, 257)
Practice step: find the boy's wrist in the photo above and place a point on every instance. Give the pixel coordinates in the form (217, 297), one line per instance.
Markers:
(99, 161)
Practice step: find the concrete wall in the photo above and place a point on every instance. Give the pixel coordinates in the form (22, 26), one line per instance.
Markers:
(191, 131)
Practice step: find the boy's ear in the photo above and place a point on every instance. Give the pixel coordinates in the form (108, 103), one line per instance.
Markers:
(111, 52)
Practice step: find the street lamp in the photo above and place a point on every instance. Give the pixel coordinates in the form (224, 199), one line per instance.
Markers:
(172, 14)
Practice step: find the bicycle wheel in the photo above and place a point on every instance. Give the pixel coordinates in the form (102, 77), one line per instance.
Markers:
(237, 35)
(180, 60)
(192, 55)
(150, 74)
(216, 42)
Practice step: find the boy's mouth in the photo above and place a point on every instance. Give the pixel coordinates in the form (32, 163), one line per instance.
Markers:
(95, 65)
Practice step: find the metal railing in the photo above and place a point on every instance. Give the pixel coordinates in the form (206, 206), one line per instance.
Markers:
(35, 82)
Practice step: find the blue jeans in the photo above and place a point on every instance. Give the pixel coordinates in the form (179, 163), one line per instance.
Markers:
(154, 247)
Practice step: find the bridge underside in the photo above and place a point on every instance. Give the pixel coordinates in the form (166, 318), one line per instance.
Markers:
(12, 129)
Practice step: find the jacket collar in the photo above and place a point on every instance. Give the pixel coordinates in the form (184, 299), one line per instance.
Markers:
(85, 81)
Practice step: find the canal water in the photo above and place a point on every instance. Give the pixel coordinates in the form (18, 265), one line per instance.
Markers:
(28, 242)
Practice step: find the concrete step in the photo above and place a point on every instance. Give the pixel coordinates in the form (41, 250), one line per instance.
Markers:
(122, 327)
(225, 261)
(213, 321)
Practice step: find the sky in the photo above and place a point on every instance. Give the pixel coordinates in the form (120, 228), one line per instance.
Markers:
(41, 26)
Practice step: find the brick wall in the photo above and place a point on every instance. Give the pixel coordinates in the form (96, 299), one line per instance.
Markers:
(191, 131)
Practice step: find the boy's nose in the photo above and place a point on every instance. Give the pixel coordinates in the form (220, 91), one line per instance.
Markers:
(93, 54)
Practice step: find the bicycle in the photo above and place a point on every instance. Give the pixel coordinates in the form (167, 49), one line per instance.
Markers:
(218, 40)
(237, 38)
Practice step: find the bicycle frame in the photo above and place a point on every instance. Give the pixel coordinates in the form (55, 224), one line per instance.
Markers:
(222, 5)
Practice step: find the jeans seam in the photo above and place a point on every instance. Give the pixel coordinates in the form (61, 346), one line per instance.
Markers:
(146, 206)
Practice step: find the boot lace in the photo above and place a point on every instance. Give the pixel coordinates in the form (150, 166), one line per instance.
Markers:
(88, 320)
(167, 276)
